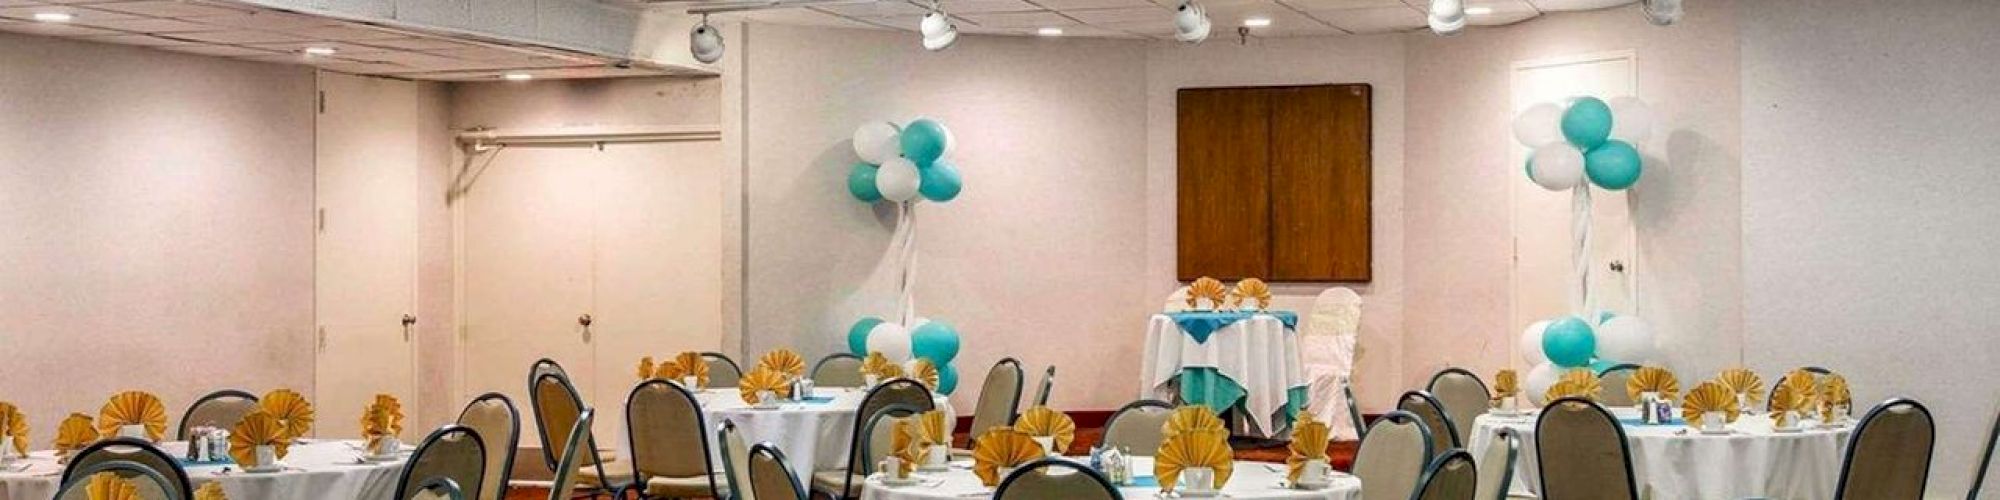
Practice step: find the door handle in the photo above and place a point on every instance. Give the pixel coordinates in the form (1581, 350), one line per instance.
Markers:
(408, 321)
(585, 321)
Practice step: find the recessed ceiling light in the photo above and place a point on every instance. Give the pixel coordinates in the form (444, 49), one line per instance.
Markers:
(518, 77)
(1478, 11)
(320, 51)
(54, 17)
(1257, 22)
(1049, 32)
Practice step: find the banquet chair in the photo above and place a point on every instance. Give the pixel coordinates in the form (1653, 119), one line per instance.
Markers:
(1353, 410)
(452, 452)
(735, 460)
(556, 405)
(845, 482)
(1444, 433)
(499, 424)
(1452, 476)
(665, 432)
(1582, 453)
(722, 371)
(1889, 455)
(1464, 397)
(564, 481)
(1048, 384)
(224, 409)
(138, 451)
(1327, 340)
(1985, 459)
(1816, 371)
(150, 483)
(1496, 466)
(1392, 456)
(1176, 301)
(1137, 426)
(1035, 481)
(1614, 380)
(439, 488)
(838, 370)
(770, 477)
(881, 436)
(999, 400)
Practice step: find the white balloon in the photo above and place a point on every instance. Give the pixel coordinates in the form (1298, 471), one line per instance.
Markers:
(1631, 119)
(898, 179)
(1531, 343)
(1626, 339)
(890, 339)
(1555, 167)
(1539, 379)
(1540, 125)
(876, 142)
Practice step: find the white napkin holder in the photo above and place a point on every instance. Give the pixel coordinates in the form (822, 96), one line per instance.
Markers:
(1314, 474)
(1713, 422)
(937, 457)
(267, 458)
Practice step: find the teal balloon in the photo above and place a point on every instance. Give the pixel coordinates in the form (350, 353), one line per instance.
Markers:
(939, 182)
(1569, 343)
(936, 340)
(861, 183)
(857, 335)
(947, 378)
(1615, 165)
(923, 141)
(1587, 123)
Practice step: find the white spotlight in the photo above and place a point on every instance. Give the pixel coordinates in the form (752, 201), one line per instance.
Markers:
(517, 77)
(1662, 12)
(939, 33)
(705, 42)
(1447, 17)
(1257, 22)
(54, 17)
(320, 51)
(1191, 22)
(1051, 31)
(1478, 11)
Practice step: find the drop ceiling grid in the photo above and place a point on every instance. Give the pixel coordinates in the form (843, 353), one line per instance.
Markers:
(1121, 18)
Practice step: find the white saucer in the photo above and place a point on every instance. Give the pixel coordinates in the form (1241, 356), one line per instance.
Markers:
(266, 469)
(908, 481)
(1724, 432)
(1198, 494)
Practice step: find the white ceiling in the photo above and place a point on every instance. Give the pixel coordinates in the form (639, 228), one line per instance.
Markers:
(1153, 19)
(239, 31)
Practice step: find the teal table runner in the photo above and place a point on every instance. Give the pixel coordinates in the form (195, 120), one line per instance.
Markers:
(1202, 324)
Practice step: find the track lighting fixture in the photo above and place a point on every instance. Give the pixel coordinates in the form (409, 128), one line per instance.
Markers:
(937, 28)
(1191, 22)
(705, 42)
(1447, 17)
(1662, 12)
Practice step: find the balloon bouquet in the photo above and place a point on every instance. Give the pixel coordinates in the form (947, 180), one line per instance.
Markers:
(1585, 139)
(901, 164)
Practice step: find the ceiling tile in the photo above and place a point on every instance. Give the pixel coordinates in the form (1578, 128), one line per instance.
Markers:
(477, 53)
(412, 59)
(1578, 4)
(1313, 5)
(169, 8)
(346, 34)
(145, 25)
(414, 43)
(54, 29)
(19, 3)
(802, 17)
(1020, 19)
(1084, 31)
(1068, 5)
(240, 36)
(986, 6)
(1504, 12)
(876, 9)
(1372, 20)
(1149, 28)
(219, 50)
(340, 48)
(1126, 15)
(263, 19)
(27, 13)
(141, 40)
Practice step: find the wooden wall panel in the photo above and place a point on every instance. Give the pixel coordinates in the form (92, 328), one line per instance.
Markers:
(1224, 179)
(1320, 183)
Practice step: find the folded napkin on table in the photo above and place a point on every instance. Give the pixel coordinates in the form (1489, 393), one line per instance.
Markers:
(1251, 290)
(1003, 448)
(1206, 288)
(1655, 380)
(762, 379)
(687, 364)
(1191, 418)
(878, 365)
(1577, 382)
(75, 432)
(647, 368)
(1743, 383)
(382, 419)
(257, 429)
(1042, 421)
(133, 408)
(14, 424)
(108, 486)
(210, 491)
(1203, 448)
(904, 443)
(1790, 399)
(784, 361)
(932, 428)
(1309, 441)
(1833, 393)
(291, 410)
(1707, 397)
(924, 373)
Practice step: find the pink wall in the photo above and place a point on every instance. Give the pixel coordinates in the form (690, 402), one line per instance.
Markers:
(159, 210)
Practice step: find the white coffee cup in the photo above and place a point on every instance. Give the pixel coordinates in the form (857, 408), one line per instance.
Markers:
(267, 456)
(937, 457)
(1199, 479)
(132, 431)
(387, 446)
(1713, 422)
(691, 382)
(869, 380)
(1048, 444)
(767, 399)
(1315, 474)
(7, 454)
(892, 466)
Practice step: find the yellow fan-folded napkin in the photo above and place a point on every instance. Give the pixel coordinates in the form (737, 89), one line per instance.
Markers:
(904, 443)
(932, 428)
(14, 424)
(690, 364)
(1655, 380)
(1309, 440)
(1834, 392)
(1578, 382)
(1506, 384)
(1208, 448)
(1206, 288)
(1743, 382)
(1707, 397)
(878, 365)
(76, 432)
(1787, 400)
(1002, 448)
(1250, 290)
(257, 429)
(1042, 421)
(211, 490)
(1190, 418)
(763, 379)
(924, 372)
(647, 368)
(133, 408)
(382, 419)
(108, 486)
(784, 361)
(291, 410)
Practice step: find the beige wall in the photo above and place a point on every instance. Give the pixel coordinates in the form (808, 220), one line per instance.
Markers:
(159, 211)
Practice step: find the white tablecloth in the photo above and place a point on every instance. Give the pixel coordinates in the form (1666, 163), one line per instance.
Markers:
(814, 436)
(1251, 480)
(1671, 462)
(316, 470)
(1255, 352)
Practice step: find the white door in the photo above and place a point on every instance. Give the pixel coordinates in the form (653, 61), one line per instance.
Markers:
(366, 164)
(1543, 269)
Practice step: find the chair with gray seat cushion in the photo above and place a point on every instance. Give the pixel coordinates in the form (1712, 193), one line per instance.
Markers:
(1985, 459)
(1464, 397)
(1582, 452)
(838, 370)
(1889, 456)
(999, 400)
(666, 432)
(1444, 433)
(564, 482)
(722, 371)
(1452, 476)
(137, 451)
(1392, 456)
(556, 405)
(1614, 380)
(1048, 385)
(735, 460)
(1038, 480)
(455, 452)
(846, 482)
(499, 425)
(438, 488)
(1353, 409)
(151, 485)
(771, 475)
(1496, 466)
(880, 435)
(223, 409)
(1137, 427)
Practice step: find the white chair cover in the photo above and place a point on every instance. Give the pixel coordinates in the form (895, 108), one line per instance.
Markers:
(1177, 301)
(1326, 342)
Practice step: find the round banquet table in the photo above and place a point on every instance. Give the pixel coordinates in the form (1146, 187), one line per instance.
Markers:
(327, 470)
(1673, 461)
(1251, 480)
(813, 434)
